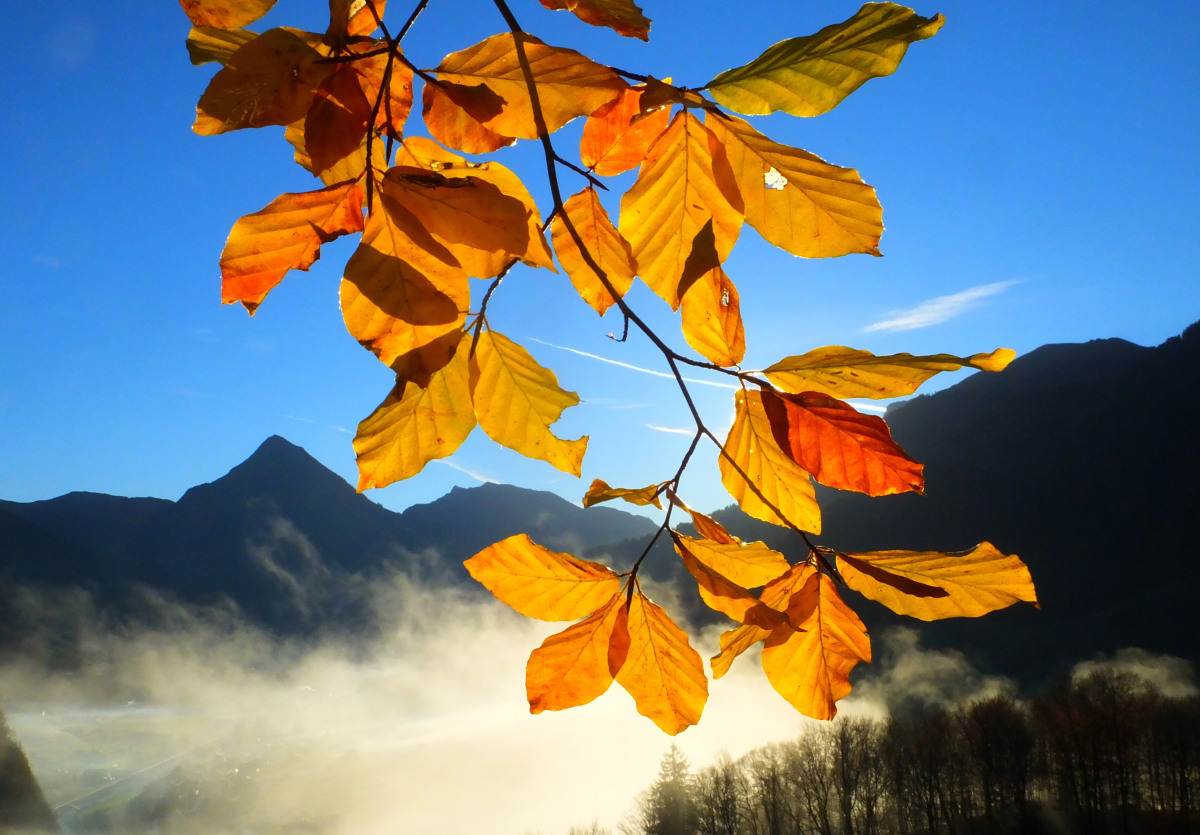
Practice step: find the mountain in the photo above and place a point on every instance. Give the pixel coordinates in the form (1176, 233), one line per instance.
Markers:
(1082, 459)
(281, 537)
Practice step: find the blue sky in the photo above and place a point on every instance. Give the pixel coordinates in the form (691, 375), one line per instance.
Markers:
(1036, 163)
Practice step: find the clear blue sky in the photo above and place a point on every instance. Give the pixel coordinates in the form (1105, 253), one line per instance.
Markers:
(1036, 162)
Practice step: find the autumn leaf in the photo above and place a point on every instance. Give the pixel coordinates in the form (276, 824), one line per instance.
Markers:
(602, 241)
(662, 672)
(750, 564)
(336, 123)
(270, 80)
(352, 18)
(684, 183)
(710, 310)
(446, 109)
(797, 201)
(929, 585)
(516, 401)
(617, 136)
(540, 583)
(207, 43)
(810, 75)
(568, 84)
(811, 667)
(601, 492)
(847, 372)
(721, 593)
(764, 479)
(286, 235)
(402, 289)
(416, 423)
(575, 666)
(396, 103)
(623, 16)
(840, 446)
(776, 594)
(225, 14)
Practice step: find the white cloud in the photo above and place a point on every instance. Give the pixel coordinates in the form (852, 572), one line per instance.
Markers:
(671, 430)
(620, 364)
(477, 476)
(936, 311)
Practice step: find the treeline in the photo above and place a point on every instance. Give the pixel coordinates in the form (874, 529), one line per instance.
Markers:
(1103, 753)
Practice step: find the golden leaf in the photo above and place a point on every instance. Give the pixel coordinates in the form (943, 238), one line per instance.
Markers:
(442, 107)
(662, 672)
(797, 201)
(710, 310)
(749, 564)
(776, 595)
(270, 80)
(847, 372)
(575, 666)
(810, 75)
(286, 235)
(753, 463)
(603, 242)
(416, 424)
(540, 583)
(516, 401)
(617, 136)
(601, 492)
(623, 16)
(684, 183)
(930, 585)
(207, 43)
(722, 594)
(225, 14)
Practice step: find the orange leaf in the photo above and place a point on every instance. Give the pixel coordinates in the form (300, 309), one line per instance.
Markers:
(750, 564)
(350, 167)
(710, 310)
(601, 492)
(349, 18)
(603, 242)
(573, 667)
(617, 136)
(753, 460)
(540, 583)
(811, 668)
(684, 183)
(270, 80)
(568, 84)
(444, 108)
(796, 200)
(722, 594)
(225, 14)
(662, 672)
(930, 585)
(416, 424)
(336, 124)
(286, 235)
(841, 447)
(620, 15)
(776, 594)
(397, 104)
(402, 289)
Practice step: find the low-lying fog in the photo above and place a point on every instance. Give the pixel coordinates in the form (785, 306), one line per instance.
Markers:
(209, 725)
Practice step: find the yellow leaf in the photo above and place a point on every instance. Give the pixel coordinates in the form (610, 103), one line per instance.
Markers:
(722, 594)
(568, 84)
(810, 75)
(797, 201)
(710, 310)
(930, 585)
(623, 16)
(516, 401)
(776, 595)
(662, 672)
(207, 43)
(759, 463)
(225, 14)
(601, 492)
(847, 372)
(608, 249)
(684, 183)
(749, 564)
(416, 424)
(540, 583)
(286, 235)
(811, 668)
(424, 153)
(617, 136)
(402, 289)
(575, 666)
(270, 80)
(350, 167)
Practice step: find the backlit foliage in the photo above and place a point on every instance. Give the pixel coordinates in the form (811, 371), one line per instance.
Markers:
(430, 219)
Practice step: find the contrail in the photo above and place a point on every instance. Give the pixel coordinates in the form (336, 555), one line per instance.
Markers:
(633, 367)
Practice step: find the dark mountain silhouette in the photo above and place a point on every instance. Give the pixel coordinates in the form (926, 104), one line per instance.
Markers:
(1082, 459)
(284, 539)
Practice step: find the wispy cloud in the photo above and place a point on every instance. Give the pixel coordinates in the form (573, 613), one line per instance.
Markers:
(671, 430)
(620, 364)
(936, 311)
(868, 407)
(477, 476)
